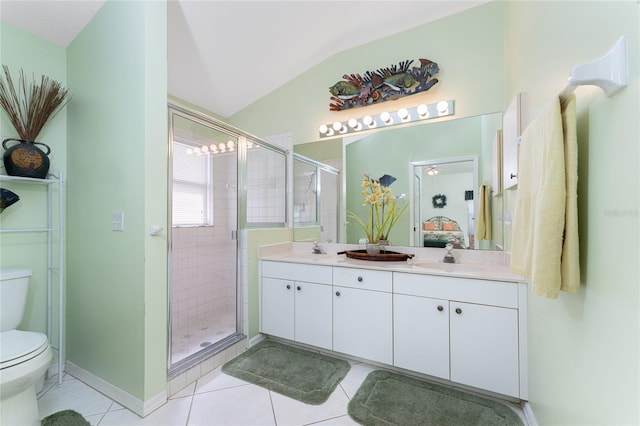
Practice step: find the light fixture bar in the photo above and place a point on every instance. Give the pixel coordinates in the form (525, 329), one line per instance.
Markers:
(387, 119)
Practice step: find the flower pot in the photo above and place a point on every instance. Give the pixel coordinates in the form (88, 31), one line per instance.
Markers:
(373, 248)
(26, 159)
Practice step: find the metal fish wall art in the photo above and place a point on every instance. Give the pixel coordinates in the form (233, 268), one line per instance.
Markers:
(382, 85)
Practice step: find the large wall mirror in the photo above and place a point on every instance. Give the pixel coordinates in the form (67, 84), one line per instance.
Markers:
(459, 148)
(316, 200)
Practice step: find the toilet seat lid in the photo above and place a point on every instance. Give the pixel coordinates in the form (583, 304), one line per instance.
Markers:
(15, 344)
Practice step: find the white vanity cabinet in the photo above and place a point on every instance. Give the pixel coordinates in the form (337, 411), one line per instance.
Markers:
(362, 313)
(471, 331)
(421, 334)
(296, 302)
(484, 347)
(464, 330)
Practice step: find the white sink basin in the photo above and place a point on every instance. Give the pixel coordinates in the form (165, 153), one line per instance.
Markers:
(450, 267)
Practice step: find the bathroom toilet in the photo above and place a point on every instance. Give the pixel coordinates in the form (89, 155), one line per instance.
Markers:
(24, 355)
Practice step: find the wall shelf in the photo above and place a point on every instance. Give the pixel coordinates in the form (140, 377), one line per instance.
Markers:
(51, 229)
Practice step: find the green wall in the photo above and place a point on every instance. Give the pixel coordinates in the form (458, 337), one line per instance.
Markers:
(472, 76)
(583, 348)
(255, 238)
(116, 302)
(30, 250)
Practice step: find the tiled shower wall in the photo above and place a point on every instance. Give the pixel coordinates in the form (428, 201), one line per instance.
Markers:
(204, 258)
(266, 186)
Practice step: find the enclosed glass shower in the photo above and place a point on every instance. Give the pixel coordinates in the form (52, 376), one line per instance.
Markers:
(220, 180)
(203, 295)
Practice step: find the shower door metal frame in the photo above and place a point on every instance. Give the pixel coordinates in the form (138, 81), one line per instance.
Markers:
(179, 367)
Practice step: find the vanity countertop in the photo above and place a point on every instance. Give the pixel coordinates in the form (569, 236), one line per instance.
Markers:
(426, 264)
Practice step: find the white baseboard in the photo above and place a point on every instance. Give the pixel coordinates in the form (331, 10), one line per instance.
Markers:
(255, 340)
(528, 414)
(138, 406)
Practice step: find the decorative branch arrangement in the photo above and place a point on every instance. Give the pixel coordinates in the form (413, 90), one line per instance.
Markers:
(382, 85)
(30, 107)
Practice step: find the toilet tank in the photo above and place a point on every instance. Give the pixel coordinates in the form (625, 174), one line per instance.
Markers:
(14, 285)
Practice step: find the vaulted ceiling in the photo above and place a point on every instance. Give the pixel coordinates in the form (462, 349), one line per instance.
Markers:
(224, 55)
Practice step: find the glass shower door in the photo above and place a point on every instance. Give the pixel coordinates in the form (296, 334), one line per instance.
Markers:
(203, 296)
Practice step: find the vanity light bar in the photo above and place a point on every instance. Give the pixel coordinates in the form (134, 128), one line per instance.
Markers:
(386, 119)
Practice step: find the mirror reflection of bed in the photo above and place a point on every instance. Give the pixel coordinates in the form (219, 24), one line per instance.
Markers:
(438, 231)
(444, 202)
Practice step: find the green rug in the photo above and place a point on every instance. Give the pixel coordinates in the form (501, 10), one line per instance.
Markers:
(387, 398)
(65, 418)
(297, 373)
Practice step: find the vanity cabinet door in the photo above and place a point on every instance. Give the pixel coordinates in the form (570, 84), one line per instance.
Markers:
(277, 310)
(484, 347)
(362, 323)
(421, 334)
(313, 317)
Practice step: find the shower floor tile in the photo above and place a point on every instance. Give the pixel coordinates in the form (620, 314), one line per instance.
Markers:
(191, 338)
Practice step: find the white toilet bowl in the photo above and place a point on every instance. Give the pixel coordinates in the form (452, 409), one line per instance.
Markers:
(24, 355)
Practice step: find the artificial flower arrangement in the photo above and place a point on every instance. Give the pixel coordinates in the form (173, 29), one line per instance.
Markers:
(383, 210)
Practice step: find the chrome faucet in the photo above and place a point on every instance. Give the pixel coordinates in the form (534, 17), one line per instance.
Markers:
(448, 257)
(316, 248)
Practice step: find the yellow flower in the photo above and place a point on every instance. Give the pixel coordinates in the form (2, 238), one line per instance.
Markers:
(383, 212)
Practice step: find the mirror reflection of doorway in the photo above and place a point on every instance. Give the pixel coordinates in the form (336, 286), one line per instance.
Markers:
(444, 202)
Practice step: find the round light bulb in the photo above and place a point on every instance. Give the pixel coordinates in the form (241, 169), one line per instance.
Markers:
(205, 148)
(368, 121)
(189, 151)
(323, 129)
(337, 126)
(423, 111)
(403, 114)
(385, 117)
(443, 107)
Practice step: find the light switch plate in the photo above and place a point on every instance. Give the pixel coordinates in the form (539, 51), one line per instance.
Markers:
(117, 222)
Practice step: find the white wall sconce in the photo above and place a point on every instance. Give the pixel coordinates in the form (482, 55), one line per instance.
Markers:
(386, 119)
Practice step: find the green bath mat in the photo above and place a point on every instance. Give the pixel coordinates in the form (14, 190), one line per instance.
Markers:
(65, 418)
(387, 398)
(297, 373)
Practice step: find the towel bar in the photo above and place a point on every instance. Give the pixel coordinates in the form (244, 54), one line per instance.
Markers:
(610, 72)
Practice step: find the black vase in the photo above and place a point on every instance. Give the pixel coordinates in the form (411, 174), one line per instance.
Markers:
(26, 159)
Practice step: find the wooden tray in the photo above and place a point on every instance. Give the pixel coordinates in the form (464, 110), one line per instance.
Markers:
(385, 256)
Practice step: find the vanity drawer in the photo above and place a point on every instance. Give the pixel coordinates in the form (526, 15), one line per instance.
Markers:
(363, 278)
(297, 272)
(485, 292)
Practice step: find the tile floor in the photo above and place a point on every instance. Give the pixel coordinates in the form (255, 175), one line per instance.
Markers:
(215, 399)
(191, 337)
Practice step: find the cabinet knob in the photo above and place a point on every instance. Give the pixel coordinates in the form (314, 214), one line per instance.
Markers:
(288, 287)
(299, 288)
(359, 279)
(440, 308)
(458, 311)
(337, 293)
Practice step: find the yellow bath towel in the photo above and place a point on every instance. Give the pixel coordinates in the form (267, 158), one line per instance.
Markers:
(539, 216)
(570, 248)
(484, 213)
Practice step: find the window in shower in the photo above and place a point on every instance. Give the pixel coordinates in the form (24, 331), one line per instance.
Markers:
(203, 295)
